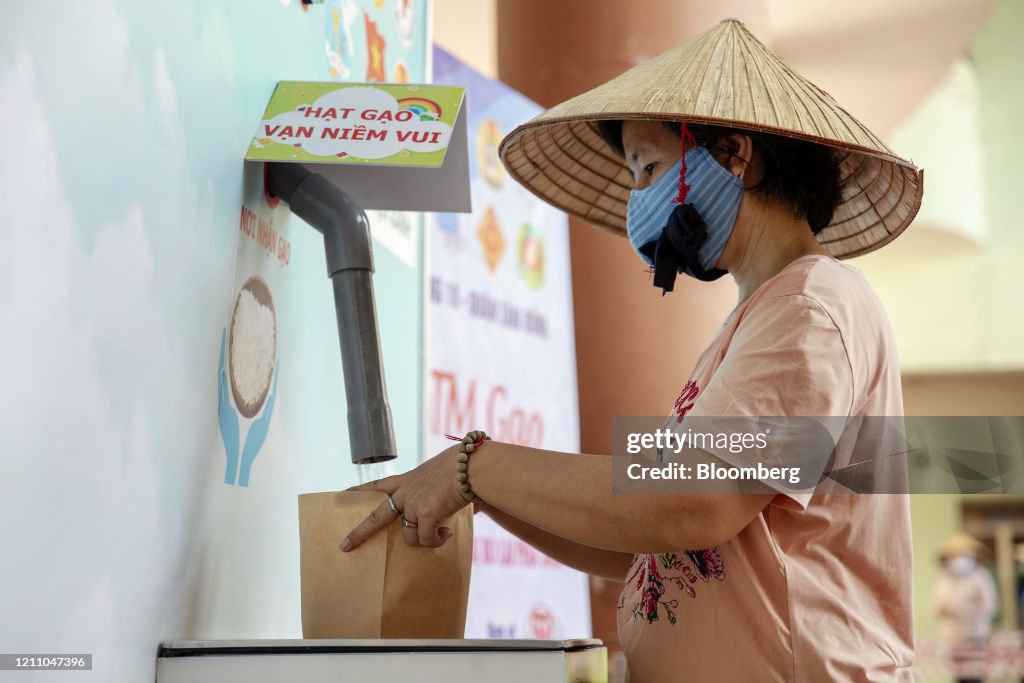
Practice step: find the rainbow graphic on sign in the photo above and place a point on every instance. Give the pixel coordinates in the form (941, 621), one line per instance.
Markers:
(427, 110)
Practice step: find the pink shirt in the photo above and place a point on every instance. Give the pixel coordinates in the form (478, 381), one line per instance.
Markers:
(818, 587)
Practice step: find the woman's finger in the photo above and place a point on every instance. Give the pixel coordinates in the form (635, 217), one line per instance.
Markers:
(410, 535)
(427, 533)
(431, 535)
(378, 519)
(387, 485)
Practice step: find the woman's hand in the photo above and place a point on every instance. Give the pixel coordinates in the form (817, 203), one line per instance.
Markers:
(427, 496)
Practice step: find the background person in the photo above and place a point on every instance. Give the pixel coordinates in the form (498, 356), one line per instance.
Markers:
(965, 601)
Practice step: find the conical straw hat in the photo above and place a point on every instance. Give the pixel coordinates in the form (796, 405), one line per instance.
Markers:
(724, 77)
(961, 543)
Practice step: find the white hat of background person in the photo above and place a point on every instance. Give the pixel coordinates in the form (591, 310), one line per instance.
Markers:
(723, 77)
(961, 544)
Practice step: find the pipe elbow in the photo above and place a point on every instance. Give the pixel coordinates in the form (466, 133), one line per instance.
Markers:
(329, 210)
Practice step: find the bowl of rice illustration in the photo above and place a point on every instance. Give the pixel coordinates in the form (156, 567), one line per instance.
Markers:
(252, 346)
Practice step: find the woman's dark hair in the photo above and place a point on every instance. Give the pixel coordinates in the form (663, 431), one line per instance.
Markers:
(802, 175)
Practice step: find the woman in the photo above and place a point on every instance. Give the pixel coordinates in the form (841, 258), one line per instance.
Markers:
(778, 585)
(964, 601)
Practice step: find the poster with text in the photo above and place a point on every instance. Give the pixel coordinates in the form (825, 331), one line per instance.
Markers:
(501, 356)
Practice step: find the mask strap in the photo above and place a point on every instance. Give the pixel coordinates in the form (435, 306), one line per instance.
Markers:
(746, 165)
(688, 141)
(746, 162)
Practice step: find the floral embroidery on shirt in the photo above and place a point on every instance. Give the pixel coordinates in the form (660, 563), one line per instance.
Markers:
(685, 401)
(682, 406)
(650, 582)
(708, 563)
(653, 574)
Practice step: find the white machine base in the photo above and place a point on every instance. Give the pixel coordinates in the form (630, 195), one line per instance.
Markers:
(381, 661)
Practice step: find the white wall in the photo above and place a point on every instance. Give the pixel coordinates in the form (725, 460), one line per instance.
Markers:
(954, 300)
(468, 29)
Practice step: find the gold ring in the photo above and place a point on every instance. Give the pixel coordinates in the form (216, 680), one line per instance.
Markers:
(407, 524)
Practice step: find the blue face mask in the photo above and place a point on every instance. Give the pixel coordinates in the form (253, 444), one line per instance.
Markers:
(695, 234)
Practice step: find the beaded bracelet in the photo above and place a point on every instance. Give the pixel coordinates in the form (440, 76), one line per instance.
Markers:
(472, 441)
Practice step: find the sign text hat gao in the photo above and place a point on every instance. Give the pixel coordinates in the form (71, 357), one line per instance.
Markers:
(723, 77)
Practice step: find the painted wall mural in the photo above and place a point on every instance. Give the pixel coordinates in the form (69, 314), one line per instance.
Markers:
(152, 438)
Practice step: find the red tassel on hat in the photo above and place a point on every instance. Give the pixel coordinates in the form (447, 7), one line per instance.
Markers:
(688, 142)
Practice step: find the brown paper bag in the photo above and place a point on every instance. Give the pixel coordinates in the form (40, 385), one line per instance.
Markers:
(383, 588)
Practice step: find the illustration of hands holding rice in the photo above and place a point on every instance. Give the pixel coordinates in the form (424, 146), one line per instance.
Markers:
(244, 385)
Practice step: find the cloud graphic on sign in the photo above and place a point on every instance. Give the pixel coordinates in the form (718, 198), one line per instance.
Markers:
(366, 123)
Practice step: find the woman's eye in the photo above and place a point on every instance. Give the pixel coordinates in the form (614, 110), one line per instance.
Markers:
(649, 169)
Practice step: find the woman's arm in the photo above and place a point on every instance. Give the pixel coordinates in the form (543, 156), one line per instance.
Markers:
(570, 496)
(607, 564)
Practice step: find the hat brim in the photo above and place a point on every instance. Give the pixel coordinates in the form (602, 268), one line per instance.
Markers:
(724, 77)
(568, 164)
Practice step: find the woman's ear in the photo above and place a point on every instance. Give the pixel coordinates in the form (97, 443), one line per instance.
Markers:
(734, 153)
(741, 151)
